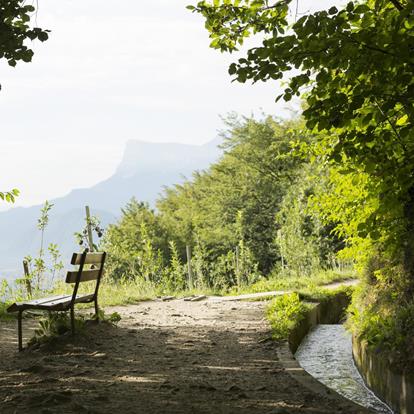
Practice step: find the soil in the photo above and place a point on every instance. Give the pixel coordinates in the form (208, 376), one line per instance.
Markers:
(170, 357)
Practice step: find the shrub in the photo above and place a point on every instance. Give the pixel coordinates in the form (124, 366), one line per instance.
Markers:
(284, 313)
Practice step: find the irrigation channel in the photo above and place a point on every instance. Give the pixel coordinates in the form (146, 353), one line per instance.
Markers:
(326, 354)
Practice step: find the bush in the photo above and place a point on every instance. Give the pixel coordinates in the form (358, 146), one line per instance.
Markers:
(284, 313)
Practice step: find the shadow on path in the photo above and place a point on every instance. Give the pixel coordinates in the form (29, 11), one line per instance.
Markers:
(215, 359)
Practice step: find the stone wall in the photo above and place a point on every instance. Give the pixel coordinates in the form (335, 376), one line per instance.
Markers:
(396, 389)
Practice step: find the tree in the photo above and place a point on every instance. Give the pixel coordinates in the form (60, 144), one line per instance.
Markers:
(354, 67)
(135, 243)
(305, 241)
(15, 30)
(251, 179)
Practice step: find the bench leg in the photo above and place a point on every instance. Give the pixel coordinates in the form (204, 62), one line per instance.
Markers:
(96, 310)
(19, 330)
(72, 320)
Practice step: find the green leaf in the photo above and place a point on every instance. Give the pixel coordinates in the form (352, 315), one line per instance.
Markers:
(409, 22)
(43, 36)
(402, 121)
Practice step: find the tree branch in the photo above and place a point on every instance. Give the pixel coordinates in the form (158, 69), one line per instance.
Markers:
(397, 5)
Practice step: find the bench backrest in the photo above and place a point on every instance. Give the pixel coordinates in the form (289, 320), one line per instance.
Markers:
(95, 272)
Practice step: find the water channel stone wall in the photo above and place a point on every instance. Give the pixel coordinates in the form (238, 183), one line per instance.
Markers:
(327, 312)
(396, 389)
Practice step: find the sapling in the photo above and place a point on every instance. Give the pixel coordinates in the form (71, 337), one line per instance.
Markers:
(42, 223)
(36, 268)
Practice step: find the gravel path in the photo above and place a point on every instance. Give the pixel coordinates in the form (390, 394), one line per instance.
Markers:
(164, 357)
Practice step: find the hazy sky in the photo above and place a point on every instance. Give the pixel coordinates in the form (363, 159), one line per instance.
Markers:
(110, 72)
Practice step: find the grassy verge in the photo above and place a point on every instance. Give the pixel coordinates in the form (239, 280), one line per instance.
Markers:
(287, 311)
(294, 282)
(113, 294)
(384, 318)
(129, 292)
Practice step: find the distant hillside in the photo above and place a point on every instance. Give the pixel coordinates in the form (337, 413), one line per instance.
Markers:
(145, 169)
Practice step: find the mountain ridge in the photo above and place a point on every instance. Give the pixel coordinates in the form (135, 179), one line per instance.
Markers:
(145, 169)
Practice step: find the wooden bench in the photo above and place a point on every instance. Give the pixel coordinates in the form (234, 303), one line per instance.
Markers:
(67, 302)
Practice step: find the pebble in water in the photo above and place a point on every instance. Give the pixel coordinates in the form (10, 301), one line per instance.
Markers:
(326, 354)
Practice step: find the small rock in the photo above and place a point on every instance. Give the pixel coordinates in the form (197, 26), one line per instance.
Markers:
(263, 388)
(234, 388)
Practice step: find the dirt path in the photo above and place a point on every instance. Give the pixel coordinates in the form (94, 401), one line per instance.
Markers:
(164, 357)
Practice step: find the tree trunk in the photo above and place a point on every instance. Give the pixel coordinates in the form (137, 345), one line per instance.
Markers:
(190, 269)
(89, 227)
(409, 239)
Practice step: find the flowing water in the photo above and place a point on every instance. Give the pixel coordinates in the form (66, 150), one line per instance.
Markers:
(326, 354)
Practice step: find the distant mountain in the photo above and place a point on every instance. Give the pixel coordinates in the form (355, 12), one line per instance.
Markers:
(143, 172)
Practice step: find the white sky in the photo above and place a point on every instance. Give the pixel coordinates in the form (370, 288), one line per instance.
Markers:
(110, 72)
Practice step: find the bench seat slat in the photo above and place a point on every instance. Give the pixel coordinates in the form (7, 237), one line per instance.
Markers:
(40, 300)
(51, 302)
(30, 303)
(64, 301)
